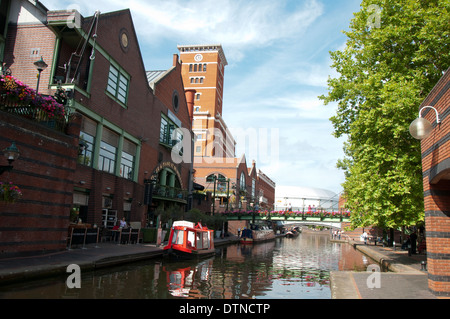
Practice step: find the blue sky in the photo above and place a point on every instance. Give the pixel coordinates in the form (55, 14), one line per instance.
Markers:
(278, 64)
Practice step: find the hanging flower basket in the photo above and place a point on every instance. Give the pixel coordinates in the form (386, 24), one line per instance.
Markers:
(9, 192)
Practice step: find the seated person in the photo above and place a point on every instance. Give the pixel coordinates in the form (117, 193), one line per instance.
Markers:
(115, 233)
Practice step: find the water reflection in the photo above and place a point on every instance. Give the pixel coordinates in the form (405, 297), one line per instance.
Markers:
(296, 268)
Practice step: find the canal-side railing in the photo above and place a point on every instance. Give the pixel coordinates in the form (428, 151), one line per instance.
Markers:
(288, 216)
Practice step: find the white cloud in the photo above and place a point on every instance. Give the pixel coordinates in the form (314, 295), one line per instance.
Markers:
(236, 24)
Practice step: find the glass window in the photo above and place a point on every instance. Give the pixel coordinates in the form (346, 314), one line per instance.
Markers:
(107, 157)
(87, 141)
(168, 131)
(128, 158)
(126, 166)
(242, 184)
(86, 155)
(163, 134)
(108, 151)
(199, 241)
(118, 84)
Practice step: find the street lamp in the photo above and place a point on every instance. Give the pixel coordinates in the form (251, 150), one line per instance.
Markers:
(11, 153)
(40, 66)
(421, 128)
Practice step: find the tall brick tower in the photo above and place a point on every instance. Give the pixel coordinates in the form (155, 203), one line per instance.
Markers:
(203, 69)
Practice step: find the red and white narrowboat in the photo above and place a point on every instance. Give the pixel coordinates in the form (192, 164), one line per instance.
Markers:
(187, 240)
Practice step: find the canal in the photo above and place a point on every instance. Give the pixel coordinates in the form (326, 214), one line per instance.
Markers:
(286, 268)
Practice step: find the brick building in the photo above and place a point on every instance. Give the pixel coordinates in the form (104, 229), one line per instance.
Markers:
(123, 144)
(436, 185)
(231, 182)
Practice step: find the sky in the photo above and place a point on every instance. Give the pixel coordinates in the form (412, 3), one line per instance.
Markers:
(278, 64)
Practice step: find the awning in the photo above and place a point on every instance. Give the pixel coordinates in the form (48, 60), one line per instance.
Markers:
(198, 187)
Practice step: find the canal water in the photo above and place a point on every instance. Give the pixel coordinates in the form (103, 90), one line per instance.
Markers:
(286, 268)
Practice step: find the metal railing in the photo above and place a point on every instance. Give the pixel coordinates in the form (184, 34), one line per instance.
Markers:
(171, 193)
(31, 112)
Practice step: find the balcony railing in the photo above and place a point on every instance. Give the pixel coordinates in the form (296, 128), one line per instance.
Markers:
(170, 193)
(19, 99)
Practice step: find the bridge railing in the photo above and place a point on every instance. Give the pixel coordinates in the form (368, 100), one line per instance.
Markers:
(287, 215)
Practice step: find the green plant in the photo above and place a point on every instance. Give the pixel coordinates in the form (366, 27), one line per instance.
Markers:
(9, 192)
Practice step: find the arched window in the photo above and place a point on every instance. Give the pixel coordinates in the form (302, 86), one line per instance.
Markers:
(242, 183)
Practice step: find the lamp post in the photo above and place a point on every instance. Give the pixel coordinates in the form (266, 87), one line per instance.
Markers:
(40, 66)
(11, 153)
(421, 128)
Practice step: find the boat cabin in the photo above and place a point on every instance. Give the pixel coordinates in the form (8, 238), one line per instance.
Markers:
(187, 238)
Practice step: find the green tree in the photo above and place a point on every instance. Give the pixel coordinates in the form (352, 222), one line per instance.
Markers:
(395, 53)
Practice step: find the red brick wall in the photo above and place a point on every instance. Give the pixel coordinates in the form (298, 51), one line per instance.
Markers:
(19, 43)
(45, 170)
(436, 150)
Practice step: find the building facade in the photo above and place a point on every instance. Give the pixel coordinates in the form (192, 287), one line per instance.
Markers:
(232, 184)
(436, 185)
(123, 142)
(203, 70)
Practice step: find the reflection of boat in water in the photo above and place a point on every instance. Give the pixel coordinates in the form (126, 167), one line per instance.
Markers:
(187, 240)
(293, 233)
(256, 233)
(183, 282)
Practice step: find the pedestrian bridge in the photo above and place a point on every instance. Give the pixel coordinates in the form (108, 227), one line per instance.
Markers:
(334, 225)
(326, 219)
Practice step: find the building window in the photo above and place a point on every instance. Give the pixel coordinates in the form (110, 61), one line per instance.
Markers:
(118, 85)
(87, 142)
(197, 67)
(253, 188)
(167, 131)
(175, 101)
(242, 183)
(128, 159)
(197, 96)
(164, 131)
(198, 149)
(108, 151)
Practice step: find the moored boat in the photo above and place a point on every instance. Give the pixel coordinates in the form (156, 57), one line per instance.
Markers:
(187, 240)
(293, 233)
(257, 234)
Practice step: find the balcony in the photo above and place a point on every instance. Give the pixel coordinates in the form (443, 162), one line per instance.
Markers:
(19, 99)
(170, 193)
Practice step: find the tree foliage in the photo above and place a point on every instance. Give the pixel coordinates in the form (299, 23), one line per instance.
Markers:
(396, 52)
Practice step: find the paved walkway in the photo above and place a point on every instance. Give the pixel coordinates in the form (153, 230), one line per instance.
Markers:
(404, 278)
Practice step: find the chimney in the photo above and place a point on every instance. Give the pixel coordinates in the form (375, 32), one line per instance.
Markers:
(175, 60)
(190, 96)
